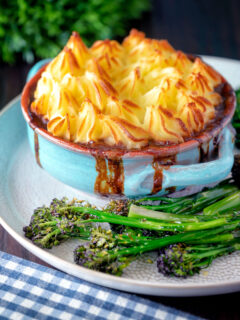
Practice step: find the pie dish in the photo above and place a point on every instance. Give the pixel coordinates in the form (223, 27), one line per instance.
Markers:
(19, 173)
(165, 126)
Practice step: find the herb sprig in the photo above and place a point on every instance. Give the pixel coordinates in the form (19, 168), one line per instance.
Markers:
(236, 119)
(35, 28)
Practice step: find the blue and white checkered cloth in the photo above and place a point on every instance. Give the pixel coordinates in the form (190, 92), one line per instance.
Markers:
(32, 291)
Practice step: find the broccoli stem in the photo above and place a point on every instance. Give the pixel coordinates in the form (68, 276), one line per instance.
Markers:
(151, 245)
(199, 255)
(231, 202)
(47, 224)
(142, 212)
(148, 224)
(194, 204)
(160, 198)
(45, 242)
(221, 238)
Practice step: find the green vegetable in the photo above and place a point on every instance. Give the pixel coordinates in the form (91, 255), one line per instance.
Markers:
(236, 118)
(229, 203)
(115, 259)
(102, 243)
(194, 203)
(51, 225)
(48, 227)
(225, 237)
(201, 227)
(30, 29)
(143, 213)
(236, 169)
(140, 212)
(182, 260)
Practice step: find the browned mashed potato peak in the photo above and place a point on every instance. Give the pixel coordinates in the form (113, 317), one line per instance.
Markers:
(126, 94)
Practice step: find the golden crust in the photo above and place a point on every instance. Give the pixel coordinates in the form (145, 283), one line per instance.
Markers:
(126, 94)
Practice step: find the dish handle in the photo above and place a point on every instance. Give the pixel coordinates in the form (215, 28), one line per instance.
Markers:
(204, 173)
(140, 181)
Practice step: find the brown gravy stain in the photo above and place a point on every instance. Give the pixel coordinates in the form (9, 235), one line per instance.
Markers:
(36, 148)
(158, 165)
(158, 176)
(203, 154)
(110, 179)
(38, 121)
(171, 189)
(215, 147)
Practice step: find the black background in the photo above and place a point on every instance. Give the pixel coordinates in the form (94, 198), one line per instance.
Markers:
(209, 27)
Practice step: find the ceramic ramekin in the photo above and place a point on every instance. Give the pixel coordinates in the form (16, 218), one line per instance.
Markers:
(204, 159)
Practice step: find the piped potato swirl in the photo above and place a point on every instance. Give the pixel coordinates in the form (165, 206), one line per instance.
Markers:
(126, 95)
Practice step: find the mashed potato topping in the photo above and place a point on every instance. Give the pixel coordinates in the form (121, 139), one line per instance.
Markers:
(126, 95)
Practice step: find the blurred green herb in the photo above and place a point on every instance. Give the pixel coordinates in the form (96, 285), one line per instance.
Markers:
(35, 28)
(236, 119)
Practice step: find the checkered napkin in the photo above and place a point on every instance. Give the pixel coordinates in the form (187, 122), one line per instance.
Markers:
(32, 291)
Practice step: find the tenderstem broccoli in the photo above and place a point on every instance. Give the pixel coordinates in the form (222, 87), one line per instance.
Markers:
(48, 229)
(62, 220)
(194, 203)
(181, 260)
(229, 203)
(113, 260)
(50, 226)
(191, 231)
(146, 223)
(183, 205)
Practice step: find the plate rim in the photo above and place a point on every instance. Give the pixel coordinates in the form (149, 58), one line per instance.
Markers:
(122, 283)
(219, 58)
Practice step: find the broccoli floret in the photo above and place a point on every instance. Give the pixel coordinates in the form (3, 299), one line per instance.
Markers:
(99, 252)
(181, 260)
(50, 226)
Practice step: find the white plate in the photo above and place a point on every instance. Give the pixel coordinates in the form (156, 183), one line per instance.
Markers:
(24, 186)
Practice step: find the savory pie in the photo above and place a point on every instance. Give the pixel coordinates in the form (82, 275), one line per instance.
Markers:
(126, 95)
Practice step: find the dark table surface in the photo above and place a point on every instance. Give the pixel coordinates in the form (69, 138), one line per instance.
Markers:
(219, 35)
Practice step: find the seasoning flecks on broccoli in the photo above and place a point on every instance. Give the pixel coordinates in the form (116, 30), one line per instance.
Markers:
(181, 260)
(50, 226)
(114, 259)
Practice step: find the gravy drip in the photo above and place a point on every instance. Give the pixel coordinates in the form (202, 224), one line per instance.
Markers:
(171, 189)
(110, 179)
(203, 154)
(158, 176)
(158, 165)
(36, 148)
